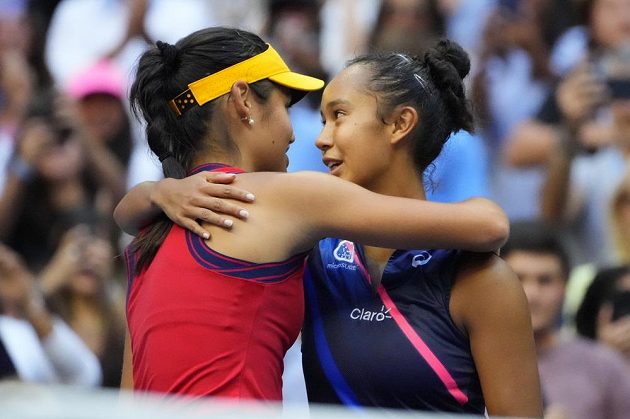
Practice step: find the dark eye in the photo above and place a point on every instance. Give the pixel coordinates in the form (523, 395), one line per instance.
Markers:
(545, 279)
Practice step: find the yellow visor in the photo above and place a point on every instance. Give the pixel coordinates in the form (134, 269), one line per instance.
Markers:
(266, 65)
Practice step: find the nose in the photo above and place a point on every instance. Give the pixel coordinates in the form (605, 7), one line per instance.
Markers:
(324, 139)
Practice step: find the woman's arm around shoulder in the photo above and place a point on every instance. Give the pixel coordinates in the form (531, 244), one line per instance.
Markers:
(336, 208)
(185, 201)
(489, 304)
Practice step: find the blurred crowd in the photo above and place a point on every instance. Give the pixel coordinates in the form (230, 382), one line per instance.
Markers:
(550, 86)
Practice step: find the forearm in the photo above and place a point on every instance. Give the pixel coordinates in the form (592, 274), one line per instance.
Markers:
(341, 209)
(477, 225)
(555, 189)
(490, 226)
(39, 317)
(136, 209)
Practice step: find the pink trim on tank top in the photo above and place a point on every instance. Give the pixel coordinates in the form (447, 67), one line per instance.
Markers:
(415, 339)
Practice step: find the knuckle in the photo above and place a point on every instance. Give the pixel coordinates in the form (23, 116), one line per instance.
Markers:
(205, 215)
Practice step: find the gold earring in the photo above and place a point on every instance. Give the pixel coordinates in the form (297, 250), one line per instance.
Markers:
(249, 119)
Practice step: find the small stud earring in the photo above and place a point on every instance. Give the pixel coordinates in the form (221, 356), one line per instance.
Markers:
(249, 119)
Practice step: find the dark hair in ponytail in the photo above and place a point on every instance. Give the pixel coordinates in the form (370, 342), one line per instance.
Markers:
(164, 72)
(432, 84)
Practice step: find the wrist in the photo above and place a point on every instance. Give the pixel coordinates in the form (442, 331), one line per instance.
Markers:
(155, 193)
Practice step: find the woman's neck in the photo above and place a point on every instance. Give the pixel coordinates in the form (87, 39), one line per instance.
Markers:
(401, 179)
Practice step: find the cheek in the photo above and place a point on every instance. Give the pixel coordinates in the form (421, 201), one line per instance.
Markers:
(552, 299)
(279, 125)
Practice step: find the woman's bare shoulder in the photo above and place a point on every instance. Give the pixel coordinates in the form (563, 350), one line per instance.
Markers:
(286, 178)
(298, 183)
(484, 280)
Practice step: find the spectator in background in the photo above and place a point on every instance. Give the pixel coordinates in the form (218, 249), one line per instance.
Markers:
(22, 71)
(22, 31)
(576, 117)
(612, 205)
(513, 79)
(120, 29)
(345, 31)
(604, 314)
(102, 115)
(580, 379)
(35, 345)
(406, 25)
(51, 186)
(79, 285)
(591, 155)
(16, 88)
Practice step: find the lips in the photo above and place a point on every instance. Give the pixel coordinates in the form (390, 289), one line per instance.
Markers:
(332, 164)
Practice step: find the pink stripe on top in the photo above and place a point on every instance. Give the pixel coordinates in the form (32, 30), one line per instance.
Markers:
(416, 340)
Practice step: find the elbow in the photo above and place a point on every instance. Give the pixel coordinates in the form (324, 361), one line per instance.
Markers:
(496, 230)
(498, 234)
(122, 220)
(118, 216)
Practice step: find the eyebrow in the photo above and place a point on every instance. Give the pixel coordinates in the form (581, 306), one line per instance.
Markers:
(337, 102)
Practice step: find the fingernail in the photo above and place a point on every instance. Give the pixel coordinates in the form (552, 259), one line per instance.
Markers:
(243, 214)
(206, 236)
(250, 197)
(228, 223)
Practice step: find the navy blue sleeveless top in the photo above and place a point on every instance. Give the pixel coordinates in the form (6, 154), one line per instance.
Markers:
(396, 347)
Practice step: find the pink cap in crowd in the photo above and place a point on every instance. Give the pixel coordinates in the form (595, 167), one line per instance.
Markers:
(102, 77)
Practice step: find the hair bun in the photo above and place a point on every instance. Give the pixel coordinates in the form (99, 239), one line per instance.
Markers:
(448, 64)
(449, 52)
(170, 54)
